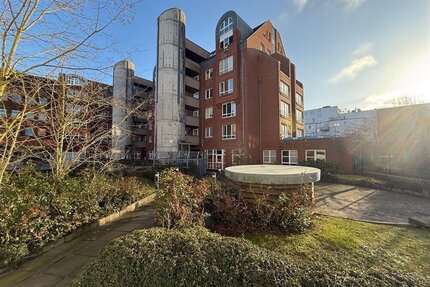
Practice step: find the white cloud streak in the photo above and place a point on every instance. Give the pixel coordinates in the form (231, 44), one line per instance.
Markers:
(356, 67)
(352, 4)
(363, 49)
(300, 4)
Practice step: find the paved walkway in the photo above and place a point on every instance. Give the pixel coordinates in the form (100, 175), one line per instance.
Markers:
(369, 204)
(60, 265)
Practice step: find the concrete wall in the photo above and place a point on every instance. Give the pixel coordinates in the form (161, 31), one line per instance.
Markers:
(169, 88)
(123, 74)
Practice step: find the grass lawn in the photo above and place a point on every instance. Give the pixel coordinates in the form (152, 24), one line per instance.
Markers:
(345, 246)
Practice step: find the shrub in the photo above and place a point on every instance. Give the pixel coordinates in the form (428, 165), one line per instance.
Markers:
(328, 169)
(35, 209)
(196, 257)
(180, 199)
(190, 257)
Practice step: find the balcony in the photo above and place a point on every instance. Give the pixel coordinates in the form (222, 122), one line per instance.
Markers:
(190, 64)
(192, 83)
(192, 121)
(193, 140)
(139, 144)
(140, 119)
(192, 102)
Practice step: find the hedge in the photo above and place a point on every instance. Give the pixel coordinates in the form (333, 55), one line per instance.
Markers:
(196, 257)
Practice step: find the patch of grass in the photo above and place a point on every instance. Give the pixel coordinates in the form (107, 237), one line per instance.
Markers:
(345, 246)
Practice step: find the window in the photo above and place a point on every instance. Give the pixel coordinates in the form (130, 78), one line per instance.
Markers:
(316, 155)
(14, 113)
(5, 96)
(269, 156)
(299, 99)
(41, 132)
(226, 26)
(299, 133)
(137, 154)
(196, 114)
(289, 157)
(208, 74)
(229, 110)
(299, 116)
(284, 88)
(196, 95)
(285, 109)
(209, 113)
(196, 132)
(149, 139)
(43, 101)
(208, 94)
(28, 132)
(226, 65)
(226, 87)
(226, 42)
(209, 132)
(229, 132)
(285, 131)
(215, 158)
(30, 116)
(262, 48)
(16, 99)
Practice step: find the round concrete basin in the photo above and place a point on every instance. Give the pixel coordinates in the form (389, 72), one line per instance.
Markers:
(273, 174)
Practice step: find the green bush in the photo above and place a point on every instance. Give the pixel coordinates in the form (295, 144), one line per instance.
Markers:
(328, 169)
(180, 199)
(35, 209)
(196, 257)
(190, 257)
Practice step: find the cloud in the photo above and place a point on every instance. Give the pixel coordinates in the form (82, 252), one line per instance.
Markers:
(387, 99)
(351, 4)
(357, 66)
(300, 4)
(363, 49)
(281, 18)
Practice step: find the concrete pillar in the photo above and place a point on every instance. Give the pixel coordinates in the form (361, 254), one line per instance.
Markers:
(169, 81)
(123, 73)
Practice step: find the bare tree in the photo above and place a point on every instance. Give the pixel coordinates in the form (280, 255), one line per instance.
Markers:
(43, 37)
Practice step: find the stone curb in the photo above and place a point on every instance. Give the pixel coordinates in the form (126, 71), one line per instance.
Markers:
(400, 224)
(87, 228)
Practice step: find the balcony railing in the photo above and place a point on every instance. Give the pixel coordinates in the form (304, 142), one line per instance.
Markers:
(193, 140)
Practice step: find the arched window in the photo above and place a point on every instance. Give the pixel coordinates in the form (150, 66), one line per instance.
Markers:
(226, 26)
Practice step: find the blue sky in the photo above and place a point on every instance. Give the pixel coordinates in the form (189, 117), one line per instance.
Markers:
(350, 53)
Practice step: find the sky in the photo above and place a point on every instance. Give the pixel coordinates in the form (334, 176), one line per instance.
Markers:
(349, 53)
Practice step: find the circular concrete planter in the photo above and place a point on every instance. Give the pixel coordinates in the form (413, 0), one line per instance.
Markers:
(265, 183)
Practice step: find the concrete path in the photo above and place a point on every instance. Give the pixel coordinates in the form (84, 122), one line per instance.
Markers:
(369, 204)
(60, 265)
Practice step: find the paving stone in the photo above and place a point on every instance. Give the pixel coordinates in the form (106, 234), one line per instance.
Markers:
(11, 279)
(68, 266)
(65, 282)
(92, 249)
(40, 280)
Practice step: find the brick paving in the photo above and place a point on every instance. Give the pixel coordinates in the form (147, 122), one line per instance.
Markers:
(58, 266)
(369, 204)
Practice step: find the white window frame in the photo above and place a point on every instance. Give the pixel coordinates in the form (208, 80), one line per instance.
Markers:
(231, 113)
(299, 119)
(284, 89)
(312, 155)
(229, 132)
(209, 132)
(284, 109)
(269, 156)
(215, 159)
(14, 113)
(283, 134)
(3, 113)
(299, 99)
(29, 132)
(209, 113)
(196, 114)
(290, 157)
(301, 131)
(226, 65)
(17, 99)
(226, 26)
(208, 74)
(209, 93)
(226, 87)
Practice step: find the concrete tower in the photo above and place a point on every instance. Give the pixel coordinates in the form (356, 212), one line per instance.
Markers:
(169, 87)
(123, 73)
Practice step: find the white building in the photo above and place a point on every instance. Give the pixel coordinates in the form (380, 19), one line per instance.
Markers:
(332, 122)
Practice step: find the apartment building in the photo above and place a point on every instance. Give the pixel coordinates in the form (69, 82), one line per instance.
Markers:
(250, 97)
(330, 121)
